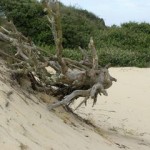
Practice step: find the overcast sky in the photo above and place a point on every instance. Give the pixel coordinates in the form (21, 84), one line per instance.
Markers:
(115, 11)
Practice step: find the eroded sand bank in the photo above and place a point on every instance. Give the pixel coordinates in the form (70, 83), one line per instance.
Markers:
(123, 117)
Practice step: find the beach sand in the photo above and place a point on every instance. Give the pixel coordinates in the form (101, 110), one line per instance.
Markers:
(122, 119)
(124, 115)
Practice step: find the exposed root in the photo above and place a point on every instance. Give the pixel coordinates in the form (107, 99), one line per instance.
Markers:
(72, 80)
(84, 101)
(69, 98)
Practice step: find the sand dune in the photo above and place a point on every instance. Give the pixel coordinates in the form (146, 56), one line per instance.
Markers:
(122, 118)
(124, 115)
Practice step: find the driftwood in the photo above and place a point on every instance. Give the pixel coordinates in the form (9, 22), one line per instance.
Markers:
(73, 79)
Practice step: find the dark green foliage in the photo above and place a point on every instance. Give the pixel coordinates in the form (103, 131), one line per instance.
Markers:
(78, 26)
(120, 57)
(131, 36)
(125, 45)
(28, 16)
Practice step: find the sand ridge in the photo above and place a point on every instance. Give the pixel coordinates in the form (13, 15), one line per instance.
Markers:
(122, 118)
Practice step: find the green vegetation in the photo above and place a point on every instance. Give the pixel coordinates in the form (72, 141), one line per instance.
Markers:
(125, 45)
(78, 26)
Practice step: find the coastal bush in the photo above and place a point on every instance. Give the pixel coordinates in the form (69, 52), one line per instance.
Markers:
(124, 45)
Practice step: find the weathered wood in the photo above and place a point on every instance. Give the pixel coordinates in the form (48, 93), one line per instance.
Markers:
(84, 101)
(94, 53)
(71, 97)
(85, 81)
(73, 79)
(53, 15)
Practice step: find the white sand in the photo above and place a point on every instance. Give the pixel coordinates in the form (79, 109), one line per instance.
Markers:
(123, 117)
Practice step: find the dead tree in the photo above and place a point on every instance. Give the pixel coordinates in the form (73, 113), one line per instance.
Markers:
(73, 79)
(86, 78)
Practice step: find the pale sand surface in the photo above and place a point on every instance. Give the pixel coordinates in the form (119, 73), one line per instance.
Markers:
(123, 117)
(26, 123)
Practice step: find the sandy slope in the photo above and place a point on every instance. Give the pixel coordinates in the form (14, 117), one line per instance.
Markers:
(26, 124)
(123, 117)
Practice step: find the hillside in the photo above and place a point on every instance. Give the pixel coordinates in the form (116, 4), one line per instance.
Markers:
(78, 24)
(120, 121)
(125, 45)
(26, 123)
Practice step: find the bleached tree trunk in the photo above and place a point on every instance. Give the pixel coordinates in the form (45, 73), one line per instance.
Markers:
(74, 79)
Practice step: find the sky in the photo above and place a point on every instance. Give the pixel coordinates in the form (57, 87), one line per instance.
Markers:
(115, 12)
